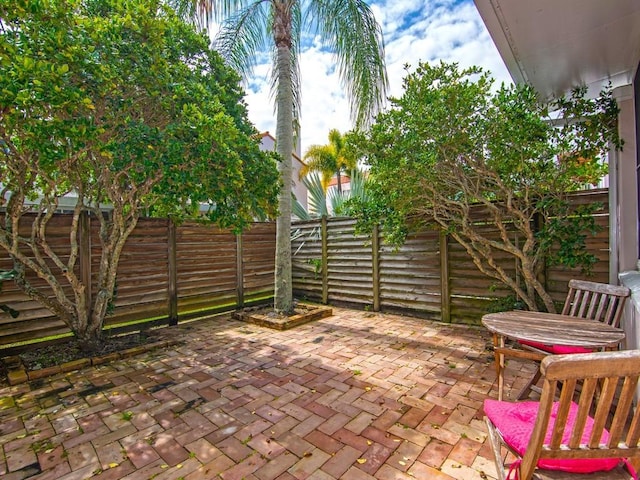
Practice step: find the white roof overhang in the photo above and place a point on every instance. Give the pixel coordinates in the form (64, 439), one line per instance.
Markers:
(555, 45)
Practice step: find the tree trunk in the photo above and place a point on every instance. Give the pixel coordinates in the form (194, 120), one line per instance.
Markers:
(90, 339)
(283, 301)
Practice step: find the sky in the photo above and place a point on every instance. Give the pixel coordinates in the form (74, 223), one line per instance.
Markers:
(414, 31)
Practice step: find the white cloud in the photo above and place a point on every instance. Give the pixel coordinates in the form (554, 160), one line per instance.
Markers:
(414, 30)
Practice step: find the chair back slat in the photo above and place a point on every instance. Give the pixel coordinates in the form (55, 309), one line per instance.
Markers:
(563, 413)
(604, 304)
(596, 301)
(603, 407)
(621, 417)
(603, 385)
(633, 437)
(584, 408)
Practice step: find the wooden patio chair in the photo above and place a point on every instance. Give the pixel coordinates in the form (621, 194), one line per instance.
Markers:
(589, 300)
(560, 440)
(596, 301)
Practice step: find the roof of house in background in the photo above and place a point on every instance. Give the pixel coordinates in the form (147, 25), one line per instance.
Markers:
(294, 155)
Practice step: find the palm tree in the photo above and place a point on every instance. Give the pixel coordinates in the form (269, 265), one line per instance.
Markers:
(329, 160)
(318, 205)
(348, 27)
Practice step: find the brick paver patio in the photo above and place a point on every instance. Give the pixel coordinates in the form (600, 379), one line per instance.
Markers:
(355, 396)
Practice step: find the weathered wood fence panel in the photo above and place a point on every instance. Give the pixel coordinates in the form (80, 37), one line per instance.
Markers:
(258, 256)
(172, 271)
(410, 277)
(206, 267)
(431, 274)
(34, 319)
(165, 271)
(349, 264)
(142, 278)
(307, 260)
(472, 292)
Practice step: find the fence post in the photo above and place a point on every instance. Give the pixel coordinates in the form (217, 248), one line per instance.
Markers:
(375, 261)
(325, 259)
(85, 256)
(173, 273)
(445, 287)
(239, 272)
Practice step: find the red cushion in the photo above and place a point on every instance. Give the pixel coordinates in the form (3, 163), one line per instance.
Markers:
(515, 422)
(556, 349)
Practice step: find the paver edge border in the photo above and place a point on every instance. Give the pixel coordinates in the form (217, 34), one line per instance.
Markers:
(17, 373)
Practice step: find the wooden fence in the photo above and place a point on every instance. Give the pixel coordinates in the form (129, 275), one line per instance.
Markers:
(172, 272)
(165, 271)
(431, 274)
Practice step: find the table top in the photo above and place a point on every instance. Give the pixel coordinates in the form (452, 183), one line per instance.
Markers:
(553, 329)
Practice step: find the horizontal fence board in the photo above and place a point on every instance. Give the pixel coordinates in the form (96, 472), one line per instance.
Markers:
(410, 276)
(206, 273)
(206, 263)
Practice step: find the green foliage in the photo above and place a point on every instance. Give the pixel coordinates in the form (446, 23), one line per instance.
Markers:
(249, 29)
(127, 416)
(329, 160)
(316, 198)
(452, 145)
(341, 202)
(564, 236)
(317, 266)
(119, 103)
(503, 304)
(128, 85)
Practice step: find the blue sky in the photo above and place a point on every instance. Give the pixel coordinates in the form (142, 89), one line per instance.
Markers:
(414, 31)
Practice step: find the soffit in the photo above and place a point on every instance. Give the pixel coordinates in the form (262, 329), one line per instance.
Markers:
(557, 44)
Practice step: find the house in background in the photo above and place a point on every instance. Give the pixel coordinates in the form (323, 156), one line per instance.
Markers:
(555, 45)
(268, 142)
(345, 183)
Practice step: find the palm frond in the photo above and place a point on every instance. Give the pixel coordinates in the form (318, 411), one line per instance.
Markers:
(350, 29)
(317, 196)
(338, 200)
(243, 36)
(187, 10)
(298, 210)
(217, 11)
(320, 158)
(336, 139)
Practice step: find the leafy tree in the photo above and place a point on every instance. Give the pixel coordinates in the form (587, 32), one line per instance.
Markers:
(251, 27)
(119, 103)
(329, 160)
(452, 147)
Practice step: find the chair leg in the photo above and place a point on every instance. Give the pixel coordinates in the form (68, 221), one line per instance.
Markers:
(496, 441)
(526, 390)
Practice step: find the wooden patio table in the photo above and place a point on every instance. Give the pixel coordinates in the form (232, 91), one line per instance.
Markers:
(546, 328)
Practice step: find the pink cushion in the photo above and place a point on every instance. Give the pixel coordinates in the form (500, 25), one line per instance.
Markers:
(556, 349)
(515, 422)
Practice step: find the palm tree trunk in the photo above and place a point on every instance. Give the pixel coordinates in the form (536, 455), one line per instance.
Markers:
(338, 180)
(283, 301)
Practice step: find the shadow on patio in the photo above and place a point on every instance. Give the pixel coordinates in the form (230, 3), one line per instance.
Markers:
(356, 396)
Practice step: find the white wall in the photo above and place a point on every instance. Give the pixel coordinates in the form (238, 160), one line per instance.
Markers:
(299, 190)
(624, 215)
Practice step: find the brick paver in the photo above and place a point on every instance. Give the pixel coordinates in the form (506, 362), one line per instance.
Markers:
(358, 395)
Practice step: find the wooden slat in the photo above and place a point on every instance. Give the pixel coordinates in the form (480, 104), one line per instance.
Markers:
(409, 278)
